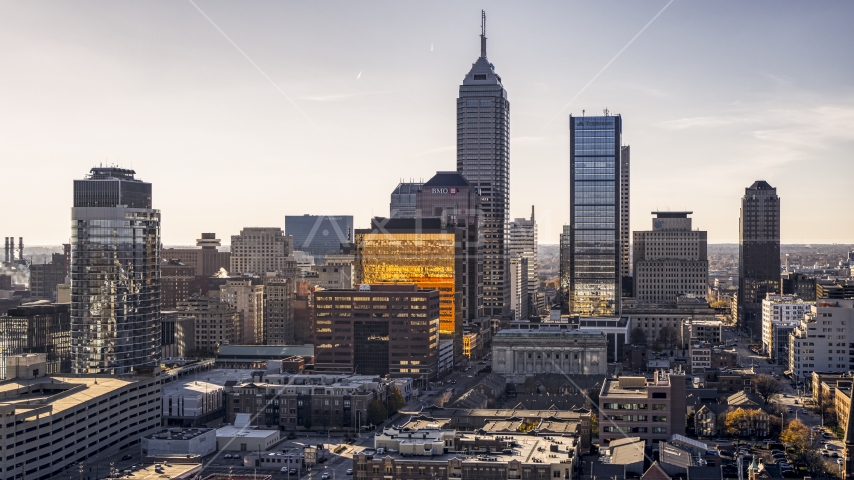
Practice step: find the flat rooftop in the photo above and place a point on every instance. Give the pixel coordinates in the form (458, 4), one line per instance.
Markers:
(551, 331)
(613, 387)
(232, 431)
(528, 449)
(76, 390)
(174, 470)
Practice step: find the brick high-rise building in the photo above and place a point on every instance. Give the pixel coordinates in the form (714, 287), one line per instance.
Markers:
(377, 330)
(670, 260)
(176, 280)
(215, 323)
(206, 260)
(279, 297)
(260, 250)
(247, 297)
(44, 278)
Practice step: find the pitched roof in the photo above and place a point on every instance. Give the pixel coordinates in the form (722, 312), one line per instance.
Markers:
(705, 473)
(761, 185)
(743, 399)
(447, 179)
(655, 472)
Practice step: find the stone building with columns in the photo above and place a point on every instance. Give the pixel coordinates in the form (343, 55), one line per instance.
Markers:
(517, 354)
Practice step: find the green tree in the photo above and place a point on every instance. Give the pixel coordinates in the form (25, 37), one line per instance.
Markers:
(376, 412)
(396, 400)
(638, 336)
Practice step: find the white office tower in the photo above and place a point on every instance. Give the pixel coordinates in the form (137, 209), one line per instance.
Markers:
(523, 244)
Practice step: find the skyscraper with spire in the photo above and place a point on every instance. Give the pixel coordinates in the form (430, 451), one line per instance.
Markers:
(483, 158)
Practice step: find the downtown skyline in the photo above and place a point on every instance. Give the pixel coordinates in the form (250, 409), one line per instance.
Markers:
(195, 118)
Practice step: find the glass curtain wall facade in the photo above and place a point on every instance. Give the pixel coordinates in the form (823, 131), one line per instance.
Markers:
(38, 329)
(595, 273)
(319, 235)
(115, 274)
(483, 158)
(758, 253)
(429, 257)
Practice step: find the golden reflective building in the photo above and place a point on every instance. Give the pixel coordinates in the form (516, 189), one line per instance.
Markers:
(415, 251)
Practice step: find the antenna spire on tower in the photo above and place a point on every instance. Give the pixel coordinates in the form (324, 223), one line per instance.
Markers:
(483, 33)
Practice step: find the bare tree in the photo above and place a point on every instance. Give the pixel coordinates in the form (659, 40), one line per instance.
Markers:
(637, 336)
(767, 387)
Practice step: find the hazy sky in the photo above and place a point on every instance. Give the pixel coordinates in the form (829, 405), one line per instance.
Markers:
(714, 95)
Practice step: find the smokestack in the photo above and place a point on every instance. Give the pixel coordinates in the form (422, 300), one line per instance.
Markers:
(20, 248)
(6, 250)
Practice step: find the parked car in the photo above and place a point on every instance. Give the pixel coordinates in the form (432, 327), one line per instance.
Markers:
(834, 455)
(325, 476)
(349, 471)
(284, 470)
(226, 456)
(127, 457)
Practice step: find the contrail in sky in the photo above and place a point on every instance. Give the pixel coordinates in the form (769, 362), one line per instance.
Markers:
(255, 65)
(359, 75)
(608, 64)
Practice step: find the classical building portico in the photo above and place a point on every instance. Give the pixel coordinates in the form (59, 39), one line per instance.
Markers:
(517, 354)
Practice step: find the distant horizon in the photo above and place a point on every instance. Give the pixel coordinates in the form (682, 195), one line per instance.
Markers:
(239, 115)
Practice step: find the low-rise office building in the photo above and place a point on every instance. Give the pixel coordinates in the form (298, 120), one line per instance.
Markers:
(434, 453)
(705, 331)
(652, 409)
(51, 423)
(653, 318)
(568, 423)
(307, 402)
(191, 404)
(780, 315)
(180, 441)
(245, 438)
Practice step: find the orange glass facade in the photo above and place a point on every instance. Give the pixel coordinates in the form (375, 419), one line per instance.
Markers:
(425, 259)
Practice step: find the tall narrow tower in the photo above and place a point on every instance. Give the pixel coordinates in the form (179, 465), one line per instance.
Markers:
(594, 274)
(758, 253)
(483, 157)
(115, 274)
(625, 227)
(523, 244)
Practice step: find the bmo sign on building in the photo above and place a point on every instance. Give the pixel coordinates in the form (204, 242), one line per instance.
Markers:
(444, 190)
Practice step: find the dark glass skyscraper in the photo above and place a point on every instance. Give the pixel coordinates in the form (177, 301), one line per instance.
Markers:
(483, 157)
(115, 274)
(758, 252)
(594, 171)
(319, 235)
